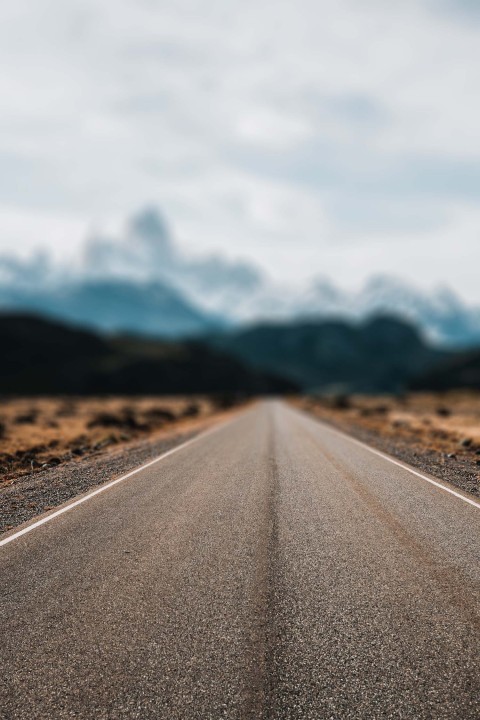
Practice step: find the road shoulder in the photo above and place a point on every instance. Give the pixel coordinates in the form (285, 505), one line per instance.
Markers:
(442, 457)
(31, 496)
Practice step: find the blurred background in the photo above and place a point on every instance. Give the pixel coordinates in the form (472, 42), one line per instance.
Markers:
(239, 197)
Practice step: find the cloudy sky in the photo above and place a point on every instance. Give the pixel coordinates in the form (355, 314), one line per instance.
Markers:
(340, 138)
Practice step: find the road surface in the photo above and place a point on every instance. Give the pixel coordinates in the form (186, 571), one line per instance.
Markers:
(273, 568)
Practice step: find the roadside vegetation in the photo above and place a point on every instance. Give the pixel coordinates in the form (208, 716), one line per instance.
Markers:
(437, 432)
(41, 433)
(53, 449)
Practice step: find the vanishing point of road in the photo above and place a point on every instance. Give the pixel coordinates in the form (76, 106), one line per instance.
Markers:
(272, 568)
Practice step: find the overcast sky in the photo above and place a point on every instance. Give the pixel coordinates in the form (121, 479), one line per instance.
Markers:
(340, 138)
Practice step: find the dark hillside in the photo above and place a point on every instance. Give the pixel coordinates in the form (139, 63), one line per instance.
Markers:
(380, 355)
(44, 357)
(460, 371)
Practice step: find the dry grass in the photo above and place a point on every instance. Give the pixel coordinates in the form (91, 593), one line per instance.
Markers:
(37, 433)
(440, 422)
(438, 432)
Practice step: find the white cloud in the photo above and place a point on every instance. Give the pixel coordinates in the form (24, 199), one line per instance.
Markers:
(25, 232)
(311, 135)
(271, 130)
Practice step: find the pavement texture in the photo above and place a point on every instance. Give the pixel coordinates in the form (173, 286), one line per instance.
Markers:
(270, 569)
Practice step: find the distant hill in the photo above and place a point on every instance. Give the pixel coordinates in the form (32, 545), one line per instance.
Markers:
(141, 280)
(44, 357)
(440, 314)
(146, 251)
(114, 305)
(239, 292)
(380, 355)
(462, 371)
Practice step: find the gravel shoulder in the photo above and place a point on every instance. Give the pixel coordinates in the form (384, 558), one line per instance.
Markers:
(32, 494)
(439, 435)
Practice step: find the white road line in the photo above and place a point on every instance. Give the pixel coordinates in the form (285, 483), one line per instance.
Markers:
(204, 434)
(110, 484)
(401, 464)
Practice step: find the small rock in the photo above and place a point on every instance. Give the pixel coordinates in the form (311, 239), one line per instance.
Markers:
(341, 402)
(443, 411)
(452, 456)
(27, 418)
(192, 410)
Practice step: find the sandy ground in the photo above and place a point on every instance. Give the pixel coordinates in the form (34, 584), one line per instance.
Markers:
(438, 433)
(53, 449)
(37, 433)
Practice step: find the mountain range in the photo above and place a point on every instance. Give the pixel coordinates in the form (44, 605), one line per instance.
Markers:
(142, 282)
(41, 357)
(113, 305)
(380, 355)
(384, 355)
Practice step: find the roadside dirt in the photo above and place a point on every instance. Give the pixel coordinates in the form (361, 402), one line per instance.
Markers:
(439, 433)
(53, 449)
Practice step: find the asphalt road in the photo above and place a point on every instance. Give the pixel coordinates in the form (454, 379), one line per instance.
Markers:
(272, 569)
